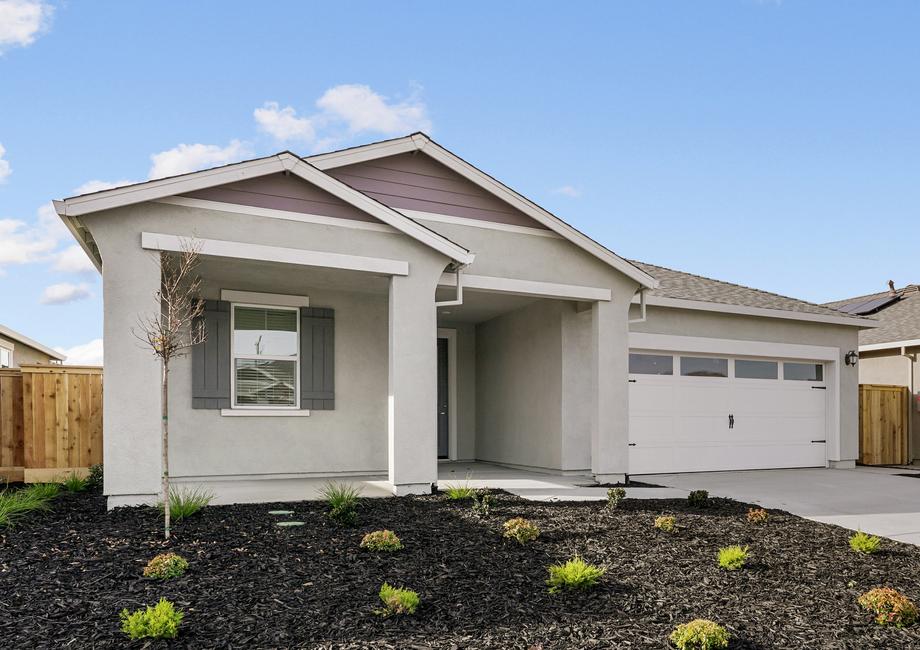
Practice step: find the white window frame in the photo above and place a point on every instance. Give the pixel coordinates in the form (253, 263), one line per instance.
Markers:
(268, 357)
(10, 352)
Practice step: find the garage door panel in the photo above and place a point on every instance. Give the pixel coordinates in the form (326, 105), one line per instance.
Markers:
(698, 399)
(691, 458)
(652, 397)
(764, 400)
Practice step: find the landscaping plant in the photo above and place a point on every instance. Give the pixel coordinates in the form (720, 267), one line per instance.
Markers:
(482, 503)
(757, 516)
(397, 600)
(165, 566)
(698, 498)
(14, 504)
(342, 499)
(732, 558)
(94, 479)
(158, 622)
(521, 529)
(890, 607)
(186, 502)
(700, 634)
(667, 523)
(574, 574)
(614, 497)
(74, 483)
(173, 326)
(863, 543)
(459, 492)
(381, 540)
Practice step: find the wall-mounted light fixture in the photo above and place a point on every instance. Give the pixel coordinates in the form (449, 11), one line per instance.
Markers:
(851, 357)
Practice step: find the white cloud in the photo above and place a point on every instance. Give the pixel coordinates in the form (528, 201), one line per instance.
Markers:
(283, 123)
(21, 21)
(568, 190)
(5, 169)
(65, 292)
(87, 354)
(73, 259)
(363, 110)
(186, 158)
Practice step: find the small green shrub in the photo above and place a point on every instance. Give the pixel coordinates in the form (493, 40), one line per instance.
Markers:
(667, 523)
(398, 600)
(700, 634)
(460, 492)
(757, 516)
(14, 504)
(158, 622)
(482, 503)
(574, 574)
(865, 544)
(74, 483)
(185, 502)
(614, 497)
(165, 566)
(698, 498)
(381, 540)
(342, 499)
(732, 558)
(890, 607)
(521, 529)
(42, 491)
(95, 477)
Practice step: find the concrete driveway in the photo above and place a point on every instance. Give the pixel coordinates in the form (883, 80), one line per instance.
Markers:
(872, 499)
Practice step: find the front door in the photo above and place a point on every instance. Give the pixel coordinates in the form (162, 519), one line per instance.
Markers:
(443, 402)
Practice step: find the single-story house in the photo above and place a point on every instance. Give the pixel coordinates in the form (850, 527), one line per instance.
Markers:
(888, 353)
(374, 310)
(17, 349)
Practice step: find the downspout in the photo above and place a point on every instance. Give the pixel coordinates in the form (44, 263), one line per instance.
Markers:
(459, 299)
(641, 318)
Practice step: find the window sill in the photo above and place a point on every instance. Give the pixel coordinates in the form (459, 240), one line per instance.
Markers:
(275, 413)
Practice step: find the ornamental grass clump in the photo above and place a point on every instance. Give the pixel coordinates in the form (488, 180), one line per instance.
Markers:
(865, 544)
(460, 491)
(757, 516)
(732, 558)
(158, 622)
(666, 523)
(889, 606)
(521, 530)
(185, 502)
(74, 482)
(15, 504)
(381, 540)
(700, 634)
(165, 566)
(397, 600)
(342, 499)
(615, 496)
(572, 575)
(698, 498)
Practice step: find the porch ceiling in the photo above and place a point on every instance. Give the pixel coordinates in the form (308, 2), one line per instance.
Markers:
(479, 306)
(272, 277)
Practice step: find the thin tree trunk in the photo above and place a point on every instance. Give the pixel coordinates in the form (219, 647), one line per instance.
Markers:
(165, 432)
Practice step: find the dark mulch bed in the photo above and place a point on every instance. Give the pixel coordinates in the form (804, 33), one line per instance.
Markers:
(628, 483)
(65, 574)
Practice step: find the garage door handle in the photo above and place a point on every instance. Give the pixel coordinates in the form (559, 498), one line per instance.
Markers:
(731, 421)
(819, 387)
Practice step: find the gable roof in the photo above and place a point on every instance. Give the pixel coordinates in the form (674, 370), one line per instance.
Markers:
(16, 337)
(681, 289)
(422, 143)
(72, 208)
(899, 319)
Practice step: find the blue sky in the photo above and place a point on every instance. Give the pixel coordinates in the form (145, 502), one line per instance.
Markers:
(774, 144)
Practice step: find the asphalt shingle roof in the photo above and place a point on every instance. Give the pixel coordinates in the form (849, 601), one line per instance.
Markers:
(687, 286)
(899, 321)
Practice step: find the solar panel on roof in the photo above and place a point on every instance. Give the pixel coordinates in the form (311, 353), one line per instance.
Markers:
(863, 307)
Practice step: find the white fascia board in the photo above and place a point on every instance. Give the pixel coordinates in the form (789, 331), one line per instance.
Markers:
(700, 305)
(527, 287)
(299, 256)
(702, 345)
(418, 215)
(25, 340)
(891, 344)
(72, 224)
(420, 142)
(262, 298)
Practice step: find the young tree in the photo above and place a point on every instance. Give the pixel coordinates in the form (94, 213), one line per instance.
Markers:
(175, 329)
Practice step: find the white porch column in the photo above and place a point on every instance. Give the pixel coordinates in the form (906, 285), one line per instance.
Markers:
(610, 403)
(412, 425)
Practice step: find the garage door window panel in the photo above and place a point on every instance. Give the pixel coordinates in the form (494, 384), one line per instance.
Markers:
(803, 371)
(651, 364)
(751, 369)
(703, 367)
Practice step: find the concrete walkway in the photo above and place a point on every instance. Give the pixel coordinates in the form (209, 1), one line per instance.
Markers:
(872, 499)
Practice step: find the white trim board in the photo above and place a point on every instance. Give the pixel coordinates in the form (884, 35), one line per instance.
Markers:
(418, 215)
(267, 299)
(246, 251)
(526, 287)
(887, 346)
(701, 305)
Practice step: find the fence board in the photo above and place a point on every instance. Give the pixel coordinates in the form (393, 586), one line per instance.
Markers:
(883, 424)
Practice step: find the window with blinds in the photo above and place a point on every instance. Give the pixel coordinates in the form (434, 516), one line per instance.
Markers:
(265, 356)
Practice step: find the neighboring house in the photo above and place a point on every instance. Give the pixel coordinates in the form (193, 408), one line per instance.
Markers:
(888, 353)
(16, 349)
(375, 309)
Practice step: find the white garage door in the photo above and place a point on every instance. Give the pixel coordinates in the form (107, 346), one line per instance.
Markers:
(694, 413)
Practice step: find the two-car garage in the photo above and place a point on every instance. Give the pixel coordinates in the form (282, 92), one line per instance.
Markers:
(693, 411)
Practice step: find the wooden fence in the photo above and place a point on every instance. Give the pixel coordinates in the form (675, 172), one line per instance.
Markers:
(50, 421)
(883, 424)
